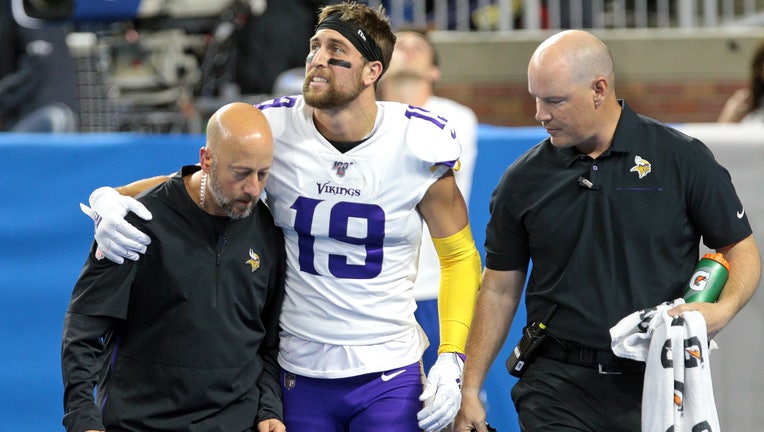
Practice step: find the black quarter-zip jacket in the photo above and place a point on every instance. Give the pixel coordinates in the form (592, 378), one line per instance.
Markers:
(185, 338)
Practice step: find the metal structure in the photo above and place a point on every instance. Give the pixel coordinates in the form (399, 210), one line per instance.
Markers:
(505, 15)
(161, 66)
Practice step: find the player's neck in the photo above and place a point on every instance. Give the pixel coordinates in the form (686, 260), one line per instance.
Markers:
(353, 122)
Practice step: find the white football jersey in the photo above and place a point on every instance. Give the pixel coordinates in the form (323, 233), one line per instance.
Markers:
(350, 220)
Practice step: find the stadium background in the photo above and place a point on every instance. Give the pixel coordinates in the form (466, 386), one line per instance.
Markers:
(680, 76)
(44, 239)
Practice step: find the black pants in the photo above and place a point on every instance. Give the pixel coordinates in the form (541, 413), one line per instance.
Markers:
(553, 396)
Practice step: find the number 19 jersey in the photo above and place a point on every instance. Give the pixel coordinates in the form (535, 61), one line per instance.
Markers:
(350, 220)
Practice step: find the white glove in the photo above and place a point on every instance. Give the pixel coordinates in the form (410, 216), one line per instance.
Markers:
(442, 393)
(116, 238)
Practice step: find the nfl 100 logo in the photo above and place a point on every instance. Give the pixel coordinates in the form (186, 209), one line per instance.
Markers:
(341, 167)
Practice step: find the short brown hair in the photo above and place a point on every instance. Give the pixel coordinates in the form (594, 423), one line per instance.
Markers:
(374, 22)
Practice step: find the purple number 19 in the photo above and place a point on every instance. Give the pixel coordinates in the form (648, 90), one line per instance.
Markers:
(339, 217)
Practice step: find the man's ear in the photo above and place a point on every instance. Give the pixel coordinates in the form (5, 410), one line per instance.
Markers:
(205, 159)
(374, 71)
(599, 90)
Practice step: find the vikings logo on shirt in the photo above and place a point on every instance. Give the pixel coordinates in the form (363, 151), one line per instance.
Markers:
(253, 261)
(642, 166)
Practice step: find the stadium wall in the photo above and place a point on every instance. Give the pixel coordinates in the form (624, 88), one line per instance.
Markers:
(44, 238)
(673, 75)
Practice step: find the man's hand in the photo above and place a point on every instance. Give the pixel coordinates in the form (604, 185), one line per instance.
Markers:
(471, 416)
(442, 392)
(116, 238)
(271, 425)
(715, 314)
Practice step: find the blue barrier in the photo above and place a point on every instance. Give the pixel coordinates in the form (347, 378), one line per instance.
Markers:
(44, 239)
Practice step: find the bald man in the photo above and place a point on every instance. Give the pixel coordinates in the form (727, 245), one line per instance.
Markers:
(186, 338)
(610, 208)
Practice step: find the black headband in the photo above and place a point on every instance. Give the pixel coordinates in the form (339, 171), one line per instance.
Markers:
(355, 34)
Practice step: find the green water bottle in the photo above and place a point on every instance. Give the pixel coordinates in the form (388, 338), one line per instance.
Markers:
(708, 279)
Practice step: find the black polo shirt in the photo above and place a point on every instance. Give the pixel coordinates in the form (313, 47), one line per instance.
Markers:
(611, 235)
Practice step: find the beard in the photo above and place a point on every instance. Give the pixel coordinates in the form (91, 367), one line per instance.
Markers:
(330, 98)
(228, 203)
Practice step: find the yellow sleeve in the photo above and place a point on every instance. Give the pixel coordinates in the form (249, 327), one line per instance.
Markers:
(460, 270)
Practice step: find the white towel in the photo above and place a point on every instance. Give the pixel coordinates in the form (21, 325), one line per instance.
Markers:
(678, 394)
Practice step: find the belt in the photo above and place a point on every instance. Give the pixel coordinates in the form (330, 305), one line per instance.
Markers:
(605, 362)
